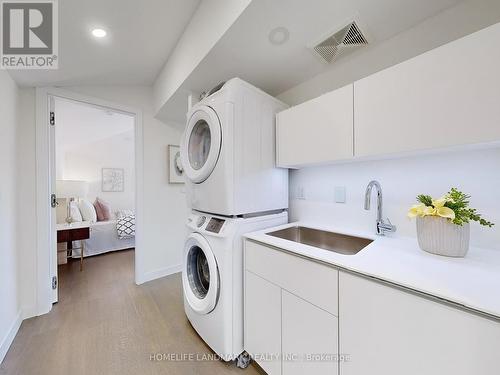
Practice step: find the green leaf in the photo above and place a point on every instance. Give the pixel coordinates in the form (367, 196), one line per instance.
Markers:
(425, 199)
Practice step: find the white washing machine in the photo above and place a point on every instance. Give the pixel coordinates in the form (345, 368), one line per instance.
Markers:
(228, 152)
(212, 277)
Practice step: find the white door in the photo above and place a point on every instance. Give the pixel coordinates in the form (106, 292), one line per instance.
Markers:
(53, 203)
(263, 322)
(387, 331)
(200, 275)
(201, 144)
(309, 338)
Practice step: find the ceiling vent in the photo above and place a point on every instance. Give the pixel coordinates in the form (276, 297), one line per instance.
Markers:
(346, 40)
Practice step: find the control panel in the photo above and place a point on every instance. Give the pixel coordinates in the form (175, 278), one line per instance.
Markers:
(201, 220)
(214, 225)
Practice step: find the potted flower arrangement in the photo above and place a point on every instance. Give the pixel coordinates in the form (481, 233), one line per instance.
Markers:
(443, 224)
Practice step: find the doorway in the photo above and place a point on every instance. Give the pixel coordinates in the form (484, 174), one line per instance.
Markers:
(111, 182)
(95, 188)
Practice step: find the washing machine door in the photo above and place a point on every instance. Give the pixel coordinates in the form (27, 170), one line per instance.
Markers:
(200, 275)
(201, 144)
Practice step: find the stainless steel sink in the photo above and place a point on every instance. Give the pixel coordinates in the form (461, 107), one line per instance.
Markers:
(336, 242)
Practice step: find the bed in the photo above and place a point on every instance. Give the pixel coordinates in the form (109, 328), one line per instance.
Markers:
(103, 239)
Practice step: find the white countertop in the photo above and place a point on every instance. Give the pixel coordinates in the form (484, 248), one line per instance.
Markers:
(473, 281)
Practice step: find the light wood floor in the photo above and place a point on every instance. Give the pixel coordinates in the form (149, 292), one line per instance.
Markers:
(105, 324)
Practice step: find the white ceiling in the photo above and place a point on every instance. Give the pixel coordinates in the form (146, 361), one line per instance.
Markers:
(141, 35)
(245, 49)
(79, 124)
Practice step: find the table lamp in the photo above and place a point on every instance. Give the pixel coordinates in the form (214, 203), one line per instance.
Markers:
(71, 189)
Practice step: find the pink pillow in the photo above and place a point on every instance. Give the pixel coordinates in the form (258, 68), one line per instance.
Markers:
(102, 209)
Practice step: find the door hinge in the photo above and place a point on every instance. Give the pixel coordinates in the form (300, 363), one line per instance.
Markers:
(53, 201)
(54, 282)
(52, 118)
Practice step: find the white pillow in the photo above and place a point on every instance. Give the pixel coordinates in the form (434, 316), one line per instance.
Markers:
(87, 210)
(122, 213)
(74, 211)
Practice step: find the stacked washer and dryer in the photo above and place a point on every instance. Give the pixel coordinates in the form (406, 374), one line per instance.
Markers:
(233, 187)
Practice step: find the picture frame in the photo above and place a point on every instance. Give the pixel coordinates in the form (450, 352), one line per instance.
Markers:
(113, 180)
(175, 170)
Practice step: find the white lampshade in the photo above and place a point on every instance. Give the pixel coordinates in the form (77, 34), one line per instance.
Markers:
(71, 189)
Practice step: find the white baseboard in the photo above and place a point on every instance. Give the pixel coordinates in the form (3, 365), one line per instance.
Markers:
(9, 337)
(156, 274)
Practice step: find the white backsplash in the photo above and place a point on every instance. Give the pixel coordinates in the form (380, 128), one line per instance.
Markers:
(475, 172)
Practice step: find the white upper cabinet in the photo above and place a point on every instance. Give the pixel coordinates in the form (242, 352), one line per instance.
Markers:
(446, 97)
(317, 131)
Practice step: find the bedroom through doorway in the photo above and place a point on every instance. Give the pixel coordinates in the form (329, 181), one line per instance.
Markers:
(95, 187)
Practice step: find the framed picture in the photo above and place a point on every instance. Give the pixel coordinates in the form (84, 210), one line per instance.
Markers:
(175, 170)
(113, 179)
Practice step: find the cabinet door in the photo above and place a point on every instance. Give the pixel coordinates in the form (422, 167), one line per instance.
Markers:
(263, 322)
(309, 338)
(387, 331)
(445, 97)
(317, 131)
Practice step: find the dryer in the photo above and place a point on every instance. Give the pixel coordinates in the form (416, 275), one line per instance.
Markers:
(228, 152)
(212, 277)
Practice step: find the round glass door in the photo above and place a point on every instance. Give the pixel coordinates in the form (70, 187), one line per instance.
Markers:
(200, 276)
(201, 144)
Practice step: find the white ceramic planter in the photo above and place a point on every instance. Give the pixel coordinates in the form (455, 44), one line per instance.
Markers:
(439, 236)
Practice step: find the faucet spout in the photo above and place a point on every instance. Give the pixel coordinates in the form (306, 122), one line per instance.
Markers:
(382, 227)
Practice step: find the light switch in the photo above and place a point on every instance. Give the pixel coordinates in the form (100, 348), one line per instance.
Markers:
(340, 194)
(301, 193)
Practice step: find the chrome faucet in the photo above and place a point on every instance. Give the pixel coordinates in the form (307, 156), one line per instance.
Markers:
(382, 226)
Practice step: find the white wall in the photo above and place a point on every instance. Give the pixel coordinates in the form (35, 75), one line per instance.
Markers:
(85, 162)
(9, 258)
(474, 172)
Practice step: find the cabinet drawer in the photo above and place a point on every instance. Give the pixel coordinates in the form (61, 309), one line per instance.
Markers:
(75, 234)
(314, 282)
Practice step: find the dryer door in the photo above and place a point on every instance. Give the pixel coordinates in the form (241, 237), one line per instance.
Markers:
(201, 144)
(200, 275)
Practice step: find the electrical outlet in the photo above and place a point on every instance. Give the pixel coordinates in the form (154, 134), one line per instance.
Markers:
(340, 194)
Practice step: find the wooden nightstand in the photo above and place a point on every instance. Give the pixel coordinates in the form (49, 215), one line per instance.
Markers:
(74, 232)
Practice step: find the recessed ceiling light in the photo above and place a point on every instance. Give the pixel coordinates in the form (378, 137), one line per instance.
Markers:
(279, 35)
(99, 33)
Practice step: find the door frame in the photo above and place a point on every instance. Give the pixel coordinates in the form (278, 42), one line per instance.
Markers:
(45, 232)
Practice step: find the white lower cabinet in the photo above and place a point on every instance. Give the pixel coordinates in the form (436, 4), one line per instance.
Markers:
(375, 328)
(286, 332)
(263, 322)
(388, 331)
(309, 338)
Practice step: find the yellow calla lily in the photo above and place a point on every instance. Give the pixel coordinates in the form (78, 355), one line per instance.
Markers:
(416, 210)
(437, 209)
(429, 211)
(445, 212)
(438, 203)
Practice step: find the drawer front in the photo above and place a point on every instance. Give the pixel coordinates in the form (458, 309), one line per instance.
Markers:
(314, 282)
(73, 234)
